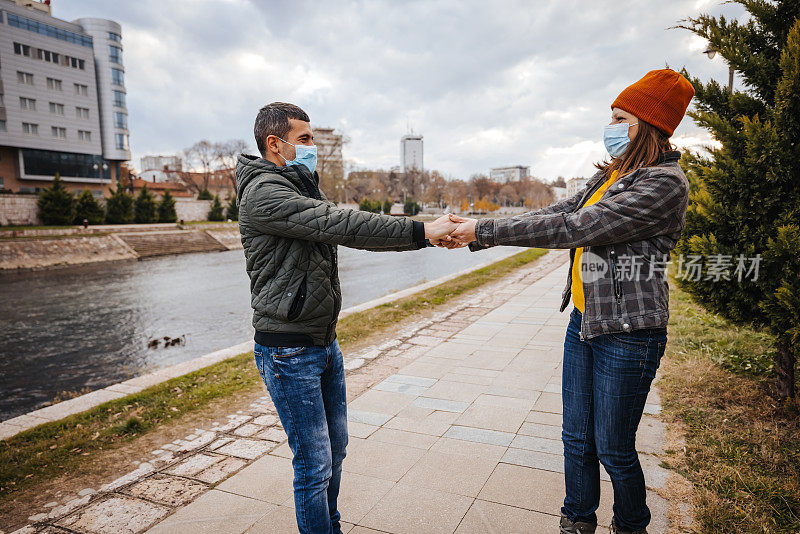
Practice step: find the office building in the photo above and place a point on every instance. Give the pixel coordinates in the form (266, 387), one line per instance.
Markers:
(504, 175)
(62, 100)
(411, 152)
(574, 185)
(158, 168)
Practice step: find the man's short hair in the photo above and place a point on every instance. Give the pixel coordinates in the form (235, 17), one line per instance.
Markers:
(273, 119)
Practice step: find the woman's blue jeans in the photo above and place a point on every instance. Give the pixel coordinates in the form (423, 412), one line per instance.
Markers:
(307, 387)
(604, 388)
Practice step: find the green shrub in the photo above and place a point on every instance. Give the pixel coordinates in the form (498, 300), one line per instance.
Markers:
(216, 210)
(119, 207)
(87, 207)
(57, 204)
(233, 210)
(144, 210)
(166, 209)
(410, 207)
(205, 194)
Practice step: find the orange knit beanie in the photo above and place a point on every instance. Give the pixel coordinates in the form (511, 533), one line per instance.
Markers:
(660, 98)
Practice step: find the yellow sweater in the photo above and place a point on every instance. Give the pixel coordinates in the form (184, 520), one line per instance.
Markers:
(578, 298)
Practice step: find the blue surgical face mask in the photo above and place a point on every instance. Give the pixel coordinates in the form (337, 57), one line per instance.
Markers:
(303, 155)
(615, 137)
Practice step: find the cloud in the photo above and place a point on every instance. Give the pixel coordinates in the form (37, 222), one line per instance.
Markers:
(486, 83)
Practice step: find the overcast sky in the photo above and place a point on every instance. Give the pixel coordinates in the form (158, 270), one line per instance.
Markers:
(486, 83)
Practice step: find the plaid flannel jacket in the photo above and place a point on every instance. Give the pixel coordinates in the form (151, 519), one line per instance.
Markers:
(627, 236)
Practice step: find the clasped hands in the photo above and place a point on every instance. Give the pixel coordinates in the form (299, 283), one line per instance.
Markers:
(451, 231)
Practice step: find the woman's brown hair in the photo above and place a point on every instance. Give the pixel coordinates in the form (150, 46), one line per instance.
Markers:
(645, 148)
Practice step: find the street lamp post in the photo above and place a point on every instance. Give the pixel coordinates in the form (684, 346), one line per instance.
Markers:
(711, 52)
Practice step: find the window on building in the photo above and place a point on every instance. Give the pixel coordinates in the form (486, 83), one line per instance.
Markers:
(2, 125)
(25, 78)
(76, 63)
(22, 49)
(48, 162)
(56, 108)
(27, 104)
(122, 141)
(115, 54)
(53, 84)
(2, 103)
(119, 99)
(82, 113)
(2, 184)
(30, 128)
(121, 120)
(59, 132)
(46, 29)
(117, 76)
(84, 135)
(81, 89)
(114, 37)
(97, 193)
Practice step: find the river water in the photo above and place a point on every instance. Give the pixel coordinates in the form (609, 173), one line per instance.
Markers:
(87, 327)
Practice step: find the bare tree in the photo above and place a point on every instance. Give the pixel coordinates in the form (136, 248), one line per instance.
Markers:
(225, 154)
(330, 166)
(198, 158)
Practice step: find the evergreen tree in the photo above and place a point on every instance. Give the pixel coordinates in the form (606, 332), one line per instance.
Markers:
(144, 209)
(410, 207)
(216, 210)
(387, 206)
(746, 194)
(233, 210)
(166, 209)
(56, 204)
(90, 209)
(119, 207)
(205, 194)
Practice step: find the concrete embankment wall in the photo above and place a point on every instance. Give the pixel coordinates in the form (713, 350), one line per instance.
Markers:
(59, 252)
(33, 253)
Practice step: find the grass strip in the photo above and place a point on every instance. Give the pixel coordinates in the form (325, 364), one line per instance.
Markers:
(742, 447)
(55, 448)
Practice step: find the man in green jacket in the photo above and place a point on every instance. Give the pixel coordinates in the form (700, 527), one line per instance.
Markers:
(290, 233)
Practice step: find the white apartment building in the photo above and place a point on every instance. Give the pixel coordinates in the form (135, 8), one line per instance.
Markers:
(574, 185)
(509, 174)
(411, 152)
(158, 168)
(62, 100)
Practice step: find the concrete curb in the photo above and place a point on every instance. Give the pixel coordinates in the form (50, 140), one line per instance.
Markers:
(82, 403)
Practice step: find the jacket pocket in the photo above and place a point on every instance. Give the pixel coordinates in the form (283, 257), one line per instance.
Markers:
(612, 258)
(299, 300)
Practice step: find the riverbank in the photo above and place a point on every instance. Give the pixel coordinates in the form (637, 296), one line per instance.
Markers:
(34, 472)
(51, 248)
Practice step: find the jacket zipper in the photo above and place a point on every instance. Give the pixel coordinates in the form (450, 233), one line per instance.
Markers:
(617, 290)
(297, 304)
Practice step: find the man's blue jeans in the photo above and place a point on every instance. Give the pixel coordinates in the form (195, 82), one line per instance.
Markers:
(308, 390)
(604, 388)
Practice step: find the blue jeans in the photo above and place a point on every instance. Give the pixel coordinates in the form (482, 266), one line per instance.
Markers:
(605, 384)
(307, 386)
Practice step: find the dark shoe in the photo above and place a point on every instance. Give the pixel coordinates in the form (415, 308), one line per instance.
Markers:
(576, 527)
(614, 529)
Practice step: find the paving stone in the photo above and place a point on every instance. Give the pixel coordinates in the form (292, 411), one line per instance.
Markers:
(266, 420)
(245, 448)
(398, 387)
(484, 516)
(141, 471)
(360, 430)
(500, 401)
(549, 402)
(436, 423)
(407, 509)
(233, 422)
(402, 437)
(388, 461)
(545, 418)
(219, 443)
(248, 429)
(441, 404)
(535, 459)
(165, 489)
(115, 515)
(447, 473)
(469, 448)
(216, 511)
(370, 418)
(480, 435)
(268, 479)
(492, 417)
(194, 464)
(412, 380)
(220, 470)
(533, 443)
(454, 391)
(202, 440)
(273, 433)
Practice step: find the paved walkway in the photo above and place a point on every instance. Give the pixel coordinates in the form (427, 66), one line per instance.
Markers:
(464, 438)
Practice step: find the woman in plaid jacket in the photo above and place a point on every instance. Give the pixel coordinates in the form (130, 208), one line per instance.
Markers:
(620, 230)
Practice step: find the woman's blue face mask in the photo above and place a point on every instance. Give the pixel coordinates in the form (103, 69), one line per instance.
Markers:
(615, 137)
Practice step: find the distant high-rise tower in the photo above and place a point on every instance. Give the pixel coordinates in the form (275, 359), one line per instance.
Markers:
(411, 152)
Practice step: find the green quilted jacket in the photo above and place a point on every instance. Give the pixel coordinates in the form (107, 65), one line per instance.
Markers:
(290, 233)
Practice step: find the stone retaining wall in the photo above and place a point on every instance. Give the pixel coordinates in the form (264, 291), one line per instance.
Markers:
(47, 253)
(18, 210)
